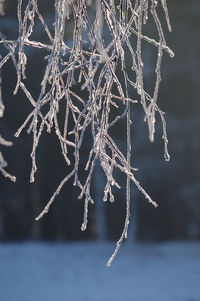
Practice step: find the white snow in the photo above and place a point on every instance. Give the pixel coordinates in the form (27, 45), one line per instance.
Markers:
(77, 272)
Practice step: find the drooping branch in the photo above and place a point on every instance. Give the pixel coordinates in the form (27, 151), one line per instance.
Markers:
(99, 47)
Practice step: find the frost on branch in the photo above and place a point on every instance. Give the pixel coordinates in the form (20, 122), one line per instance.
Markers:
(3, 162)
(99, 47)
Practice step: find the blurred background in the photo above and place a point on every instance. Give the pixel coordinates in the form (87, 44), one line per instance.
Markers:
(174, 185)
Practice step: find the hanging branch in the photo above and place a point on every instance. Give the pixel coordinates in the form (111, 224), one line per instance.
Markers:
(3, 163)
(98, 49)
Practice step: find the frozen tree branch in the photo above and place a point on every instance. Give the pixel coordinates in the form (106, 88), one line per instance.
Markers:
(92, 61)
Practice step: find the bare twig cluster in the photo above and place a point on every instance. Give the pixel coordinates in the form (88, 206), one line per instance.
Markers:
(91, 61)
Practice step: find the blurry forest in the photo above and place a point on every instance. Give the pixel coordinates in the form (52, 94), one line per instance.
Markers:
(174, 185)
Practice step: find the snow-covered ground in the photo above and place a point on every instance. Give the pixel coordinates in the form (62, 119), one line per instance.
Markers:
(78, 272)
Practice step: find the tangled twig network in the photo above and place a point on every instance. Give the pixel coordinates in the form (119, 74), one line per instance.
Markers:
(91, 61)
